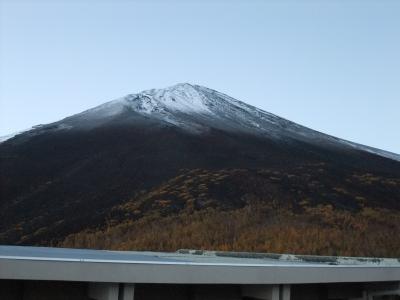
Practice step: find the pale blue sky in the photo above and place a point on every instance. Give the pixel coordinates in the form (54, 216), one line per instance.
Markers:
(331, 65)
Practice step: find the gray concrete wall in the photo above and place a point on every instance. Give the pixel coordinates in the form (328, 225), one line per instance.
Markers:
(190, 274)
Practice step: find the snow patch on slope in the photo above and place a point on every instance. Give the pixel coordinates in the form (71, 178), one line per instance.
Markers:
(37, 130)
(9, 136)
(372, 150)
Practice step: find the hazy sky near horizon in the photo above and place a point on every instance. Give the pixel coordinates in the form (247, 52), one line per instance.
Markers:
(333, 66)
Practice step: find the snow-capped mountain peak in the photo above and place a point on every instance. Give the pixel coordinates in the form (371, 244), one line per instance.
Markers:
(182, 97)
(197, 109)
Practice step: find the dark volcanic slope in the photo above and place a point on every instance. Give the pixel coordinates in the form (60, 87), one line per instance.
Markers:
(64, 177)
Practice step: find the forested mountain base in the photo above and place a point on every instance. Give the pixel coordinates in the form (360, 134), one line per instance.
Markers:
(249, 210)
(322, 231)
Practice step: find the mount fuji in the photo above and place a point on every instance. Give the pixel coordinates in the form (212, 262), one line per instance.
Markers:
(197, 110)
(64, 177)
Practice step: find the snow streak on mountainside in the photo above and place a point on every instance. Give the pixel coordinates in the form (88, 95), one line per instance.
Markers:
(198, 109)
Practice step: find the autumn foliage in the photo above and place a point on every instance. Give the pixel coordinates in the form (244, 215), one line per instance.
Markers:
(245, 210)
